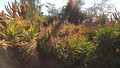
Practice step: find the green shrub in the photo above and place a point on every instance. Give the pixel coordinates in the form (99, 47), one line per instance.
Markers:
(107, 49)
(69, 48)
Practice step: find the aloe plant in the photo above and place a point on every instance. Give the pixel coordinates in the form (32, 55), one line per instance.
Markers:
(9, 7)
(30, 33)
(116, 15)
(12, 30)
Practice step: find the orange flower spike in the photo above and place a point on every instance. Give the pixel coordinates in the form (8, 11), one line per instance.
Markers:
(15, 9)
(27, 5)
(2, 14)
(23, 7)
(99, 25)
(79, 34)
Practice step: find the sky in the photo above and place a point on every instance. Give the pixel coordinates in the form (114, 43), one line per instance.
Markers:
(60, 3)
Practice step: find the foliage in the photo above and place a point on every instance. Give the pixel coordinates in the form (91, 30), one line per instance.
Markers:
(52, 10)
(21, 54)
(73, 11)
(102, 7)
(29, 41)
(107, 48)
(116, 16)
(67, 46)
(12, 30)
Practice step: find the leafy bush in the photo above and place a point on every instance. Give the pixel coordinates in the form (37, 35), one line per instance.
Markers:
(107, 49)
(71, 48)
(29, 41)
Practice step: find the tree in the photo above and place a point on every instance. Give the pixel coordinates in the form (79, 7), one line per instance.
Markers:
(52, 10)
(73, 11)
(102, 7)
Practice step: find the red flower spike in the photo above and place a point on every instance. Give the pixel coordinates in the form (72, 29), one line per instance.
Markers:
(27, 5)
(99, 25)
(15, 9)
(2, 14)
(79, 34)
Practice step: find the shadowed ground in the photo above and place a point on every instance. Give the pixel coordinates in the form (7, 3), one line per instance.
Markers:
(4, 61)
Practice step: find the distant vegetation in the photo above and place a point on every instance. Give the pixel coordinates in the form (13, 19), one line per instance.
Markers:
(67, 38)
